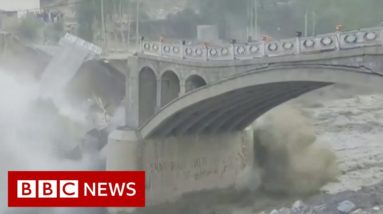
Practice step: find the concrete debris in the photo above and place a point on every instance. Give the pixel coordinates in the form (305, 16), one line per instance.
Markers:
(359, 211)
(284, 210)
(299, 207)
(275, 212)
(319, 208)
(346, 206)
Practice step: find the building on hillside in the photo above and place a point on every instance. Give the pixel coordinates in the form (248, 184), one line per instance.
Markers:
(21, 7)
(7, 18)
(65, 7)
(11, 10)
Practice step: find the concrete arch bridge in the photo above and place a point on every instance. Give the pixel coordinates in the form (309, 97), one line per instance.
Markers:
(184, 91)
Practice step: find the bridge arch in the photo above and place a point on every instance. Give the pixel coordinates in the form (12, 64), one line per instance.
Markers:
(147, 93)
(170, 87)
(193, 82)
(234, 103)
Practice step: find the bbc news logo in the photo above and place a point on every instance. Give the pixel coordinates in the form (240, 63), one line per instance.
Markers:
(47, 189)
(76, 189)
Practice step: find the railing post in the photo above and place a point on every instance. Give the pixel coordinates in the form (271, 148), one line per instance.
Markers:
(381, 34)
(182, 49)
(298, 45)
(141, 45)
(233, 48)
(337, 40)
(161, 46)
(207, 51)
(264, 48)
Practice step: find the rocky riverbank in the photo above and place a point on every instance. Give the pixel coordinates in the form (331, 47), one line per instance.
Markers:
(367, 200)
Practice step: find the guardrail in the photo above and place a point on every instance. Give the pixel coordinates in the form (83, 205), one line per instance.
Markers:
(72, 39)
(251, 50)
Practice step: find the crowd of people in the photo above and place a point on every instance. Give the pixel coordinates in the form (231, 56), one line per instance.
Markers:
(50, 16)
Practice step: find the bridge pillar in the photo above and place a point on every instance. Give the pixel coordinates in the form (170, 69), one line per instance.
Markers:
(159, 93)
(132, 119)
(182, 87)
(123, 151)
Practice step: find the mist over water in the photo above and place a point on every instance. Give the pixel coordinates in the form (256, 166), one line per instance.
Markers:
(291, 162)
(36, 134)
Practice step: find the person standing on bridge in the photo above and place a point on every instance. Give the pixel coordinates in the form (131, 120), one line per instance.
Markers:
(339, 28)
(299, 34)
(205, 45)
(267, 38)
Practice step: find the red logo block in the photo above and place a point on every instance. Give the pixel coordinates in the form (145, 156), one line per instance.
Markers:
(76, 189)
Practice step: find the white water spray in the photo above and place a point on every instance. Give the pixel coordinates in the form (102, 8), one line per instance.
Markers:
(35, 134)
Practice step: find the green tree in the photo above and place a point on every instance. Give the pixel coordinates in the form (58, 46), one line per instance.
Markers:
(53, 32)
(89, 16)
(352, 14)
(228, 15)
(29, 28)
(85, 13)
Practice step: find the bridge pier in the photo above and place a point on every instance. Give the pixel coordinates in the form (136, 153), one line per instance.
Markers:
(180, 165)
(124, 151)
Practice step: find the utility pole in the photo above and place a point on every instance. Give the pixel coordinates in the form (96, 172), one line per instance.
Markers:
(256, 22)
(314, 23)
(129, 22)
(103, 23)
(138, 23)
(248, 29)
(252, 29)
(122, 24)
(306, 22)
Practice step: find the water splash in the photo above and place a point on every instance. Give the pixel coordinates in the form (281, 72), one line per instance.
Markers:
(36, 134)
(291, 161)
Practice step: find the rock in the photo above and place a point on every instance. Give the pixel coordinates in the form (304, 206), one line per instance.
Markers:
(299, 207)
(319, 208)
(263, 212)
(284, 210)
(376, 208)
(274, 212)
(346, 206)
(359, 211)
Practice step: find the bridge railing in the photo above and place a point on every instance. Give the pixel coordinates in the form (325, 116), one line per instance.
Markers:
(326, 42)
(72, 39)
(367, 37)
(252, 50)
